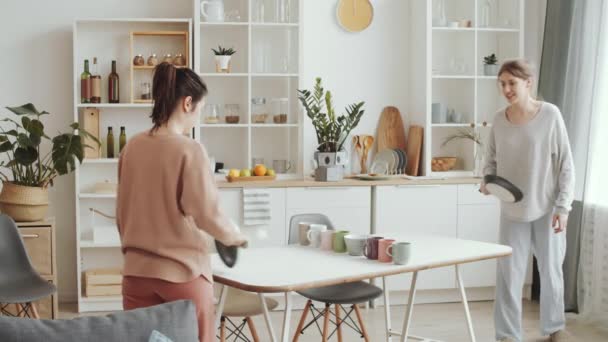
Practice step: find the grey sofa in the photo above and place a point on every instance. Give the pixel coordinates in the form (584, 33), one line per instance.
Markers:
(176, 320)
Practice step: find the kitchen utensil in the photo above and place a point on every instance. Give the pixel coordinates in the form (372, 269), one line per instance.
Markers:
(400, 161)
(383, 246)
(218, 166)
(379, 167)
(303, 228)
(314, 234)
(354, 15)
(357, 144)
(228, 254)
(390, 132)
(371, 247)
(355, 244)
(213, 10)
(400, 252)
(414, 149)
(404, 157)
(327, 240)
(368, 141)
(503, 189)
(339, 243)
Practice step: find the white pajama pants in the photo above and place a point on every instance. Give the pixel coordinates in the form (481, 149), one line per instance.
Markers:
(549, 249)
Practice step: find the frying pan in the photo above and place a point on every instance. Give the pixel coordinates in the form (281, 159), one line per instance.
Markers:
(503, 189)
(228, 254)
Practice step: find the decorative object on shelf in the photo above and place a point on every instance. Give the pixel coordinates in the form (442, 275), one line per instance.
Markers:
(146, 91)
(486, 10)
(258, 14)
(122, 139)
(113, 85)
(490, 65)
(233, 179)
(85, 84)
(213, 10)
(168, 58)
(438, 112)
(281, 165)
(354, 15)
(390, 132)
(279, 118)
(104, 233)
(232, 119)
(110, 143)
(103, 282)
(279, 110)
(24, 196)
(95, 83)
(138, 60)
(456, 117)
(90, 122)
(442, 164)
(222, 58)
(465, 23)
(258, 110)
(439, 17)
(152, 60)
(231, 112)
(414, 149)
(179, 60)
(212, 113)
(331, 130)
(233, 16)
(474, 136)
(453, 24)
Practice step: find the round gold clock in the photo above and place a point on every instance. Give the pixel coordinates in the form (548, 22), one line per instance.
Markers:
(354, 15)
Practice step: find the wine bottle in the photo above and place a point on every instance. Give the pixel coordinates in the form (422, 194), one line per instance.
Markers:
(110, 143)
(95, 83)
(122, 140)
(113, 85)
(85, 84)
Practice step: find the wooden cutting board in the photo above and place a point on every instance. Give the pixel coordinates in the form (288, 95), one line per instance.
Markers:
(391, 133)
(414, 150)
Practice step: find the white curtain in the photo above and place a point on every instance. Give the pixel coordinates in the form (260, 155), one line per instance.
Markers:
(593, 271)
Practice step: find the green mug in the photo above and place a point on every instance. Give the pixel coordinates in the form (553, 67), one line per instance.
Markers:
(339, 243)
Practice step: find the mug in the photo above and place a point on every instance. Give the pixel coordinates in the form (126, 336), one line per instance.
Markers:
(302, 233)
(314, 234)
(339, 243)
(213, 10)
(355, 244)
(371, 247)
(383, 246)
(327, 240)
(400, 251)
(281, 166)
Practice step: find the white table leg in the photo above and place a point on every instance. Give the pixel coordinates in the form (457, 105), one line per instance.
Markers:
(465, 304)
(387, 311)
(286, 317)
(220, 305)
(410, 308)
(267, 318)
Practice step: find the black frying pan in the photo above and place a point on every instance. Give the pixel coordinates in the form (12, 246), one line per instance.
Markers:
(228, 254)
(503, 189)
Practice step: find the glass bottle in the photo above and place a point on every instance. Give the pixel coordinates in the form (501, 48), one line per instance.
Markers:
(110, 143)
(282, 11)
(486, 9)
(258, 12)
(113, 85)
(122, 139)
(95, 83)
(85, 84)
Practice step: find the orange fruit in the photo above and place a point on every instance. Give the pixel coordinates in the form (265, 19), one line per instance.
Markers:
(259, 170)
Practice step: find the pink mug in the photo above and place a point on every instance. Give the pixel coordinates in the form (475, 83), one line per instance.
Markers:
(327, 240)
(383, 246)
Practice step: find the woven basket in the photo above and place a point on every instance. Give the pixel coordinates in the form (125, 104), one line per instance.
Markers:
(24, 203)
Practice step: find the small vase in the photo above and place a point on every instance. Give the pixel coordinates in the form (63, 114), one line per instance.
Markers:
(222, 63)
(490, 69)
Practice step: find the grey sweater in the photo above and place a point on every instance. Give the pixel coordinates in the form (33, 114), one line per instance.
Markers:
(536, 157)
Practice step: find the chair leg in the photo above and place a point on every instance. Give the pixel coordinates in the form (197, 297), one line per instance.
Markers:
(361, 325)
(254, 332)
(338, 322)
(20, 312)
(298, 332)
(223, 329)
(326, 323)
(34, 310)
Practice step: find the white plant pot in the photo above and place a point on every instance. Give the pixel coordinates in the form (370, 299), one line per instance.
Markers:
(222, 63)
(490, 69)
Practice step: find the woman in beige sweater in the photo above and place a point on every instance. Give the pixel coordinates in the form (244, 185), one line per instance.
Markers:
(168, 204)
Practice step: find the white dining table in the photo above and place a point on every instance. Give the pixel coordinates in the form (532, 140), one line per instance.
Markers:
(294, 268)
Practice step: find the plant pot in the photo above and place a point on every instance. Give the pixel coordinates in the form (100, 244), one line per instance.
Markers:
(330, 166)
(24, 203)
(490, 69)
(222, 63)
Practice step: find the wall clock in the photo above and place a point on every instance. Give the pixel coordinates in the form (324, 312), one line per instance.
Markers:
(354, 15)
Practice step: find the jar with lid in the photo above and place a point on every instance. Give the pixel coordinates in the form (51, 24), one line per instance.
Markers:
(179, 60)
(259, 114)
(168, 58)
(138, 60)
(146, 91)
(152, 60)
(279, 110)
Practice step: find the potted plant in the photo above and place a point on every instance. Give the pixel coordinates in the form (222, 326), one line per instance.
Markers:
(474, 136)
(490, 65)
(24, 195)
(331, 130)
(222, 58)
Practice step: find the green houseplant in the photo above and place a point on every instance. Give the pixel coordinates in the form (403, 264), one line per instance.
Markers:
(222, 58)
(24, 194)
(490, 65)
(331, 129)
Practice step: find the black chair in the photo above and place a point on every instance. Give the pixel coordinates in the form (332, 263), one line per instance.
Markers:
(349, 294)
(20, 284)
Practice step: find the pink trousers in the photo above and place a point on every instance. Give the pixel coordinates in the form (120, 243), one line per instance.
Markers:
(139, 292)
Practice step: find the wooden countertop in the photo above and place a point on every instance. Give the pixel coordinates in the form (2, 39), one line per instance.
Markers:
(309, 182)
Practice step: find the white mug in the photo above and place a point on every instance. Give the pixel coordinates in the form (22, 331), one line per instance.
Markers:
(213, 10)
(314, 234)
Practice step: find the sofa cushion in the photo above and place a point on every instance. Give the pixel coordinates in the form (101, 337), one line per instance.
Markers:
(176, 320)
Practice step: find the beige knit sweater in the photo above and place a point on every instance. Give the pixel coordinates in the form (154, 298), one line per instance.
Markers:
(167, 203)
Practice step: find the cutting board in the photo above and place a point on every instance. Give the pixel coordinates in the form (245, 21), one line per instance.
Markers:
(414, 150)
(391, 133)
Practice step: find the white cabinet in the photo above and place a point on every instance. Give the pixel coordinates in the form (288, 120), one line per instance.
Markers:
(418, 209)
(270, 235)
(349, 208)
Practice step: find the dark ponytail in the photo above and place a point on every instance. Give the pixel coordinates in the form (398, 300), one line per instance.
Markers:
(169, 85)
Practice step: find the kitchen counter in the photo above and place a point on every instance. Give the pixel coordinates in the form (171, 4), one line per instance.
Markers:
(310, 182)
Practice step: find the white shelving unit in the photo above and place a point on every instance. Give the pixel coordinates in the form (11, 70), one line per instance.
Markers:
(455, 76)
(108, 39)
(266, 64)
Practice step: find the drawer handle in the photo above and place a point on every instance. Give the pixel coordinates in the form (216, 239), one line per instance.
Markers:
(30, 236)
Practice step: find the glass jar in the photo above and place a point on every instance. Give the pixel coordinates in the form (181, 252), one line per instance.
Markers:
(179, 60)
(138, 60)
(146, 91)
(168, 58)
(279, 110)
(259, 113)
(152, 60)
(231, 113)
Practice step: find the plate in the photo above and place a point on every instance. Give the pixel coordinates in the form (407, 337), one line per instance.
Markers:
(400, 163)
(369, 176)
(389, 157)
(403, 161)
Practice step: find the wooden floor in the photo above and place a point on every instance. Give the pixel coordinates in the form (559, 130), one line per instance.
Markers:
(444, 322)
